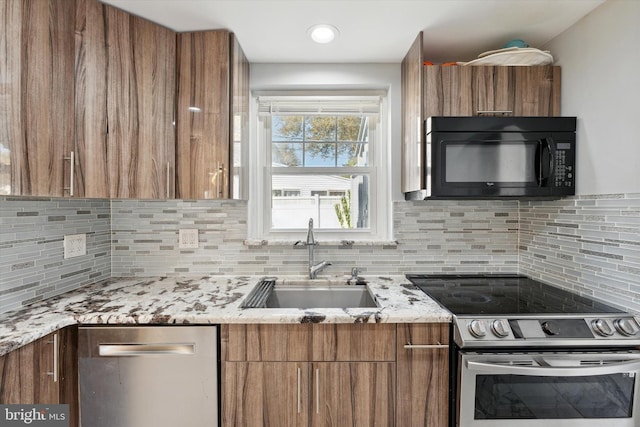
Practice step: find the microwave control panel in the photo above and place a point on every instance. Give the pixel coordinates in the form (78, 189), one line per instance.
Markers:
(564, 166)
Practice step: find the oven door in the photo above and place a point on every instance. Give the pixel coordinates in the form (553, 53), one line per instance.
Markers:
(554, 389)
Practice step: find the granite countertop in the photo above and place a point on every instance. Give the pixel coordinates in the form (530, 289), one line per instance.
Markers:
(205, 300)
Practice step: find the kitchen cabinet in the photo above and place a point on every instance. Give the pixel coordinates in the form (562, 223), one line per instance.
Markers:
(87, 99)
(423, 375)
(43, 372)
(491, 90)
(36, 96)
(412, 116)
(212, 114)
(124, 104)
(309, 374)
(436, 90)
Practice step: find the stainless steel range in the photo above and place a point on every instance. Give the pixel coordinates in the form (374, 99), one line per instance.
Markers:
(526, 354)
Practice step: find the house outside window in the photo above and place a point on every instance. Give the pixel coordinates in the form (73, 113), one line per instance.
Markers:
(332, 151)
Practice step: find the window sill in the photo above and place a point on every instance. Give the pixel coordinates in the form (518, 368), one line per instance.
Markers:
(338, 244)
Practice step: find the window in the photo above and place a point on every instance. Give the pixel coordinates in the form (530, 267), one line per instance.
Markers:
(322, 158)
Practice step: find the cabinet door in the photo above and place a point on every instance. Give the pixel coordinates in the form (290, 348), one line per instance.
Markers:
(203, 119)
(491, 90)
(43, 372)
(239, 121)
(412, 117)
(423, 375)
(265, 394)
(125, 92)
(36, 96)
(352, 393)
(30, 374)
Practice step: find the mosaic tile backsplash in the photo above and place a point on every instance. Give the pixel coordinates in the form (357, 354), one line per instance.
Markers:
(588, 244)
(433, 236)
(32, 264)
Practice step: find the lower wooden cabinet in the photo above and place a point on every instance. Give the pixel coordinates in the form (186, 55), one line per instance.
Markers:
(303, 393)
(335, 375)
(423, 375)
(43, 372)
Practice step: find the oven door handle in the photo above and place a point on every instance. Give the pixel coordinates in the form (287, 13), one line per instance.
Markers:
(564, 371)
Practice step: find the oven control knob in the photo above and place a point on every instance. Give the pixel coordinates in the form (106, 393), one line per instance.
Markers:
(602, 327)
(500, 328)
(477, 328)
(626, 327)
(550, 328)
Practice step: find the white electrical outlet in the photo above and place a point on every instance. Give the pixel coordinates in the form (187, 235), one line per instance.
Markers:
(188, 238)
(75, 245)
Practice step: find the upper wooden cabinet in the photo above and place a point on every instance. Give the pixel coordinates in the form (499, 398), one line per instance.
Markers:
(36, 96)
(212, 114)
(491, 90)
(435, 90)
(88, 98)
(125, 92)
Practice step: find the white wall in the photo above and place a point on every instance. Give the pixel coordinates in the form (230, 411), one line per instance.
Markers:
(600, 60)
(337, 77)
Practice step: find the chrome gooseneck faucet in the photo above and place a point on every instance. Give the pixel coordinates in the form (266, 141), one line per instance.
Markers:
(310, 243)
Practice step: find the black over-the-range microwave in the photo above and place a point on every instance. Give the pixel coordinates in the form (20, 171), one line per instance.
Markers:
(497, 157)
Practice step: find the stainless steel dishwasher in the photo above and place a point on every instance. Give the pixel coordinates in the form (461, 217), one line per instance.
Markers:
(148, 376)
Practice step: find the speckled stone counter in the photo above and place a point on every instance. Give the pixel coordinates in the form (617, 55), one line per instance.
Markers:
(206, 300)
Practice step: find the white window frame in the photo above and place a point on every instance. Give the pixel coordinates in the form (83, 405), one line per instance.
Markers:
(259, 212)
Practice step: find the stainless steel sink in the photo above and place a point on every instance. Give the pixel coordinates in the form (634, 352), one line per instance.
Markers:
(272, 293)
(334, 296)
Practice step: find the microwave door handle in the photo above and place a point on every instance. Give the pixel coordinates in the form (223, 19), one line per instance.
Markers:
(564, 371)
(550, 146)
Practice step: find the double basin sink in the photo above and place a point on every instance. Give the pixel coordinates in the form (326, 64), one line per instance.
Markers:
(277, 293)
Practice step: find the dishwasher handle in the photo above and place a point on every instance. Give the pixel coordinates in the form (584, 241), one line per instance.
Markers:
(118, 350)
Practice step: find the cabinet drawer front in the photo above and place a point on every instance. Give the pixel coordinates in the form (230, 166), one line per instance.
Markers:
(317, 342)
(354, 342)
(265, 342)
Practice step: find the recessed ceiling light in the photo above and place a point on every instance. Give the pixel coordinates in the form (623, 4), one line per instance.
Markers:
(323, 33)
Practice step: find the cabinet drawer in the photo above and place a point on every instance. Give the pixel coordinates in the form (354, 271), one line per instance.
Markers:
(309, 342)
(354, 342)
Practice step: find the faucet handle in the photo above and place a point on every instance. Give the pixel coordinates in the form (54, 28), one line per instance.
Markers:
(355, 272)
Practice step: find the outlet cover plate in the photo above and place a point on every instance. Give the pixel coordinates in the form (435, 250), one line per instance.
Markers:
(188, 238)
(75, 245)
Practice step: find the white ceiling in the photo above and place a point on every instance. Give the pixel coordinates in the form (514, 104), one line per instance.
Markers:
(371, 31)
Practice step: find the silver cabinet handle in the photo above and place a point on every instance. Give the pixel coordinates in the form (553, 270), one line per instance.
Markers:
(494, 112)
(410, 346)
(168, 180)
(299, 392)
(317, 391)
(145, 349)
(54, 373)
(72, 160)
(219, 178)
(563, 371)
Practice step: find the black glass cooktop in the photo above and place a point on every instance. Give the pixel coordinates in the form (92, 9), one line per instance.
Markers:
(503, 295)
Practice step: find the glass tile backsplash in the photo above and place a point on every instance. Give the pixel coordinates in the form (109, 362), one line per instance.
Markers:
(590, 244)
